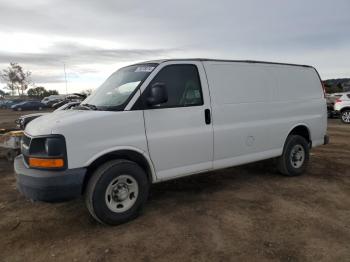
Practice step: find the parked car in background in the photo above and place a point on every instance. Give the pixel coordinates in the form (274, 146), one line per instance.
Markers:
(78, 98)
(60, 103)
(47, 99)
(50, 103)
(28, 105)
(330, 99)
(53, 99)
(22, 121)
(342, 106)
(9, 103)
(2, 102)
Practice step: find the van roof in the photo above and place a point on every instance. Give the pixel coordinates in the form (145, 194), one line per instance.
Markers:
(221, 60)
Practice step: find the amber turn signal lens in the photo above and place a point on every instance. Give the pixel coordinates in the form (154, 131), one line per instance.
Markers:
(44, 162)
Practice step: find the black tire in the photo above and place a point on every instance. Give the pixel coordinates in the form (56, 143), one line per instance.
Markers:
(344, 116)
(285, 165)
(95, 194)
(331, 114)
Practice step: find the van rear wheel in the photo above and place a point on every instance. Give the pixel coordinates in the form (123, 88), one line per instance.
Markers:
(117, 192)
(295, 157)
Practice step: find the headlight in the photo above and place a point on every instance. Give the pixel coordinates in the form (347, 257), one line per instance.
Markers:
(48, 152)
(54, 146)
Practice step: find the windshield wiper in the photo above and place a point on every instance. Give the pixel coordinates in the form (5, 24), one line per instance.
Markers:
(86, 106)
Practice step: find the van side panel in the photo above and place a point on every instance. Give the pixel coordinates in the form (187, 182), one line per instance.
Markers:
(240, 95)
(256, 105)
(297, 100)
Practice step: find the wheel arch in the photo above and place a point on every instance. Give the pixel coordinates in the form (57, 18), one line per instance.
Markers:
(347, 108)
(133, 154)
(300, 129)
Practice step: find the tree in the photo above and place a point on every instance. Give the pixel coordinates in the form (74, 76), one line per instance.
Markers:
(16, 78)
(41, 92)
(2, 93)
(332, 87)
(38, 92)
(51, 92)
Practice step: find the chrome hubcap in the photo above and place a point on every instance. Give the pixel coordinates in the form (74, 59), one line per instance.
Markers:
(346, 116)
(121, 193)
(297, 156)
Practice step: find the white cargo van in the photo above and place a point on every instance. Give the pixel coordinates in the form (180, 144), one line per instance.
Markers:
(161, 120)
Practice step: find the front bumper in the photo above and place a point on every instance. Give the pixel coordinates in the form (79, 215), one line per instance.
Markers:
(48, 185)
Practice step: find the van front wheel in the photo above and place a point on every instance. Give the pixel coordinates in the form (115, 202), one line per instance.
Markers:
(295, 157)
(117, 192)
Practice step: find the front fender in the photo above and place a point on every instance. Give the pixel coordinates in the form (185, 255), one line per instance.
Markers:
(125, 148)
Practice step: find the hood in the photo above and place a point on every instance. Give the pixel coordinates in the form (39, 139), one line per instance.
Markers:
(58, 122)
(45, 124)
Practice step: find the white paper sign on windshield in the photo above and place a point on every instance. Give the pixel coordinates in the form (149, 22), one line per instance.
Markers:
(144, 69)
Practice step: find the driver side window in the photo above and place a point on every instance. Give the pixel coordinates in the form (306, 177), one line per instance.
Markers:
(182, 83)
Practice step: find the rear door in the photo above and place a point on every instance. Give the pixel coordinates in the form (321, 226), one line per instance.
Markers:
(179, 132)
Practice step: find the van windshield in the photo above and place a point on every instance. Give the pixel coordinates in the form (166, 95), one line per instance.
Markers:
(116, 91)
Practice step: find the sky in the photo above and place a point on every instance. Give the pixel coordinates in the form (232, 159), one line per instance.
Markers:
(93, 38)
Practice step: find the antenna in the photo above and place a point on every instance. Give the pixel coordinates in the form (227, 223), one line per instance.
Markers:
(65, 77)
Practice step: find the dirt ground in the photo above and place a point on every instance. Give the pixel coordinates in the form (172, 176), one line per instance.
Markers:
(247, 213)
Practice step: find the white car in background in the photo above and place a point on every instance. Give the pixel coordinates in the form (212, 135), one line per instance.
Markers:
(52, 99)
(342, 105)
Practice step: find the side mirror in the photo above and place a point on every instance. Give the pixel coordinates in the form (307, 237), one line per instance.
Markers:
(157, 94)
